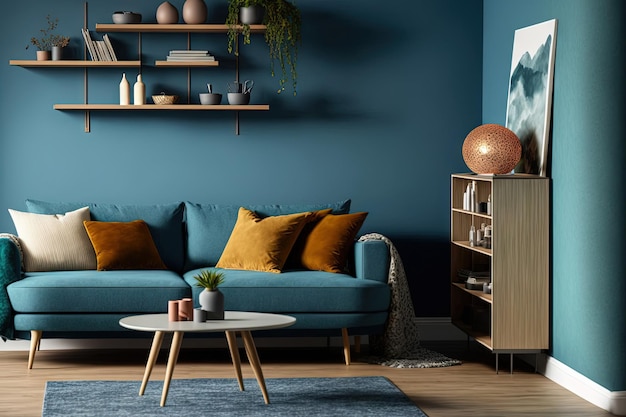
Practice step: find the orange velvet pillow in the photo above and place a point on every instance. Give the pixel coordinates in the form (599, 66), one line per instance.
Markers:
(261, 243)
(326, 246)
(123, 245)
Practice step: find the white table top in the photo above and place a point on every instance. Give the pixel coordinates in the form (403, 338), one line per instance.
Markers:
(233, 321)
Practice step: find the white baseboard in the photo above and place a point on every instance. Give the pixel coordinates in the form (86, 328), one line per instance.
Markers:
(611, 401)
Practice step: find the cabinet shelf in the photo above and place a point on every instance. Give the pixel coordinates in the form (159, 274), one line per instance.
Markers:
(476, 293)
(472, 213)
(161, 107)
(172, 28)
(73, 63)
(482, 338)
(466, 245)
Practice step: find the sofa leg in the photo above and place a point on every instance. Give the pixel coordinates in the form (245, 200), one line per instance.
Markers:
(357, 344)
(35, 339)
(346, 345)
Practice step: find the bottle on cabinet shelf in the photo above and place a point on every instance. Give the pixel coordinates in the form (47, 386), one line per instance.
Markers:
(139, 92)
(124, 91)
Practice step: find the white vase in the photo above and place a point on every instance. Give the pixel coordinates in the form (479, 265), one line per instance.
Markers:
(139, 92)
(213, 303)
(124, 91)
(194, 12)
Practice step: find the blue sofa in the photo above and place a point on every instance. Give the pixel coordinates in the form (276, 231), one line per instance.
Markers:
(189, 237)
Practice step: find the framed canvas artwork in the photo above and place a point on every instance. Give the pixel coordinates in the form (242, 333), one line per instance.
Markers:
(529, 106)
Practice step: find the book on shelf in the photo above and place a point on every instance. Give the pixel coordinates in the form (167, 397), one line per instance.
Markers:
(99, 50)
(190, 55)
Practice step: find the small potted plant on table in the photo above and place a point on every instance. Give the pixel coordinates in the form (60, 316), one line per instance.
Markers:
(283, 34)
(211, 298)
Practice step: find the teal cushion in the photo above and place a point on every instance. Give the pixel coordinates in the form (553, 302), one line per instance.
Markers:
(97, 291)
(298, 291)
(209, 226)
(165, 222)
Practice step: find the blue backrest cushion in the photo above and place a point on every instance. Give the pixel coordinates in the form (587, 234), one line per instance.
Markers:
(209, 226)
(165, 222)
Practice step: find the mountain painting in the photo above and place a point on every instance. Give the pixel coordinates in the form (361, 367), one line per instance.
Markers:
(530, 94)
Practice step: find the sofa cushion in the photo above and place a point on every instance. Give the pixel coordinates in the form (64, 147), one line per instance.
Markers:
(209, 226)
(298, 291)
(53, 242)
(123, 245)
(261, 243)
(326, 243)
(164, 220)
(97, 291)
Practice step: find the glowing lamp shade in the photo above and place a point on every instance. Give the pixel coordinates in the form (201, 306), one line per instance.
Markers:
(491, 149)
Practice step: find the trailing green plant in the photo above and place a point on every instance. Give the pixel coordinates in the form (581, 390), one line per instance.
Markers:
(209, 279)
(48, 38)
(283, 35)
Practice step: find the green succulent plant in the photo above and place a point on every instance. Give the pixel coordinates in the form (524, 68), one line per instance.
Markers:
(283, 34)
(209, 279)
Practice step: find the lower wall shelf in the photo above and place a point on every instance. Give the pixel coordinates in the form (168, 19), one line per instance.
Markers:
(161, 107)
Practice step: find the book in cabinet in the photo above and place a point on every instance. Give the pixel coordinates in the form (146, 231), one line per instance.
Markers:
(513, 318)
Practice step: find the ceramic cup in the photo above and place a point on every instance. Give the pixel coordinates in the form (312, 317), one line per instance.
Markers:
(238, 98)
(210, 98)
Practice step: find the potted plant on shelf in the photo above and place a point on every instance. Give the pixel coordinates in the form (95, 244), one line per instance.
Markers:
(282, 35)
(211, 298)
(58, 43)
(48, 39)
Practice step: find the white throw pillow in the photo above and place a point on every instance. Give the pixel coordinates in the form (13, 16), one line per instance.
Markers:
(55, 242)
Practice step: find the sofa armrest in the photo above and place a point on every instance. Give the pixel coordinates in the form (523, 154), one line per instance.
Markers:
(10, 271)
(371, 260)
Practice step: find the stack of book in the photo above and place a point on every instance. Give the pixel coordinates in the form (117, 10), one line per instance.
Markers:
(187, 55)
(99, 50)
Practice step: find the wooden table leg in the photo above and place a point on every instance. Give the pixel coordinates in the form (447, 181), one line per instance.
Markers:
(171, 364)
(253, 357)
(154, 353)
(234, 354)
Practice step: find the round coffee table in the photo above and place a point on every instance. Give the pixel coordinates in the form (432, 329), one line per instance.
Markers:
(234, 321)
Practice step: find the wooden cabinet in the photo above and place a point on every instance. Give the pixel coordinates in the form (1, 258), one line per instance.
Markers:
(514, 317)
(140, 29)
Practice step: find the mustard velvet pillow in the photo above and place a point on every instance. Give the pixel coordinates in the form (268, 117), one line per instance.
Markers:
(123, 245)
(327, 244)
(261, 243)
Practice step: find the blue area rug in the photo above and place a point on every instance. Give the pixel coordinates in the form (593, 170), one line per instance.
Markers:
(362, 396)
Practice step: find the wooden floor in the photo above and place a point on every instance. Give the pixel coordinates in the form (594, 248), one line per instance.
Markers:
(471, 389)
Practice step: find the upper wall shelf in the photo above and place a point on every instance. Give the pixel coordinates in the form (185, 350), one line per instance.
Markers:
(175, 28)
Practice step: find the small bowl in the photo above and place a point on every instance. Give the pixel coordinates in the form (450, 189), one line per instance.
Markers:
(164, 99)
(210, 98)
(238, 98)
(126, 17)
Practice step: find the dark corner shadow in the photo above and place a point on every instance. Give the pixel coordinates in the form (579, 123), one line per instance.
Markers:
(331, 35)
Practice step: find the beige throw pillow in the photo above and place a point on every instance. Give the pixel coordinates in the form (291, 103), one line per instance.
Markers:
(54, 242)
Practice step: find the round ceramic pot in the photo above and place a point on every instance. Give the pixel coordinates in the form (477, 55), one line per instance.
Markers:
(213, 303)
(251, 15)
(194, 12)
(43, 55)
(166, 14)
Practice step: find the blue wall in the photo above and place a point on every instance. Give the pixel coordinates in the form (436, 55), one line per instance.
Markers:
(386, 95)
(588, 178)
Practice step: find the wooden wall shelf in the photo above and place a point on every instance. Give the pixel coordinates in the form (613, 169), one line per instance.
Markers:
(73, 63)
(161, 107)
(175, 28)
